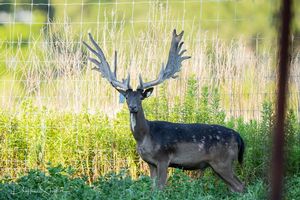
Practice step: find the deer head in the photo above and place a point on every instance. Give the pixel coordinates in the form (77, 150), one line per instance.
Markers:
(145, 89)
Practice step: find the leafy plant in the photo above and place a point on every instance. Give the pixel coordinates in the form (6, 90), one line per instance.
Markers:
(59, 183)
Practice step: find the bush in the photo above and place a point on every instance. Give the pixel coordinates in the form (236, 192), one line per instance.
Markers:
(59, 183)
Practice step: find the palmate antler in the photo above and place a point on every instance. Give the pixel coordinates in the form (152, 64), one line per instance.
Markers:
(173, 65)
(103, 67)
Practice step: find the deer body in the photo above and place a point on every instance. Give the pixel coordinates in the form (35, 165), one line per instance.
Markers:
(186, 146)
(164, 144)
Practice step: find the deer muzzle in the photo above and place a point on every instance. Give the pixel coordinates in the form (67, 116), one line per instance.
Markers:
(133, 109)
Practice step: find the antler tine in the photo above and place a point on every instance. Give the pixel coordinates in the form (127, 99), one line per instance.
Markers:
(127, 81)
(103, 67)
(115, 69)
(173, 65)
(141, 82)
(159, 80)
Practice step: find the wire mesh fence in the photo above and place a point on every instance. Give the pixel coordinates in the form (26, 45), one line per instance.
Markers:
(233, 45)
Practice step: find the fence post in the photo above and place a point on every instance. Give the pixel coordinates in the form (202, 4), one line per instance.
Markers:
(277, 165)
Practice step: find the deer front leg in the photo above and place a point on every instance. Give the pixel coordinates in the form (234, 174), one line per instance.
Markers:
(153, 171)
(162, 172)
(153, 174)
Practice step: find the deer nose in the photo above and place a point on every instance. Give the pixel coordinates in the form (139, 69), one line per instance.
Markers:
(133, 109)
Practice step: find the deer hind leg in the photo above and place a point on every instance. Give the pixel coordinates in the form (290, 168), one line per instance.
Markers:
(238, 180)
(226, 173)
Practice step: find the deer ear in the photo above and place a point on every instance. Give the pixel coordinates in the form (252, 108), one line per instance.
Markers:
(147, 93)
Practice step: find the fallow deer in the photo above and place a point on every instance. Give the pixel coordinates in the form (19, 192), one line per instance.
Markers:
(163, 144)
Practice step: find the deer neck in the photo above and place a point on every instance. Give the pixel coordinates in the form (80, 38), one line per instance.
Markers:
(139, 125)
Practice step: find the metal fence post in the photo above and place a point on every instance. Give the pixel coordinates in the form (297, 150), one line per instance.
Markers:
(277, 165)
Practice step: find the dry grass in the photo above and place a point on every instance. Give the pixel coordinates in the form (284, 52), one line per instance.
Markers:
(56, 74)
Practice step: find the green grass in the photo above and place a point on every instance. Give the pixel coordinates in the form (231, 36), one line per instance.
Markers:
(94, 144)
(99, 148)
(59, 183)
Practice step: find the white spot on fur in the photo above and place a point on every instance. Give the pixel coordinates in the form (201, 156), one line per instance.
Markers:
(133, 121)
(200, 146)
(219, 131)
(218, 137)
(194, 138)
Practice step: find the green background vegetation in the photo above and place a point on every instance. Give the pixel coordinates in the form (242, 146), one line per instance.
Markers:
(55, 109)
(94, 147)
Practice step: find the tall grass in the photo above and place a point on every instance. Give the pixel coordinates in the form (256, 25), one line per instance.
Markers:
(55, 72)
(94, 145)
